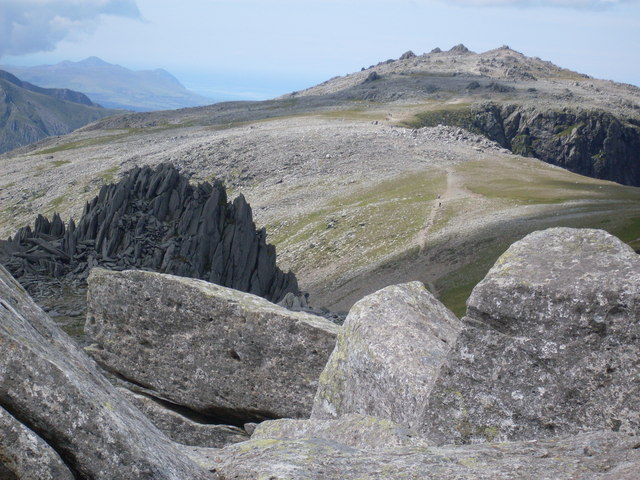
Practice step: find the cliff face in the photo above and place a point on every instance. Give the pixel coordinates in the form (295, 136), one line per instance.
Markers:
(154, 220)
(592, 143)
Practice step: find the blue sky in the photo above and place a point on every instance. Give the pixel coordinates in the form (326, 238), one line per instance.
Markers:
(264, 48)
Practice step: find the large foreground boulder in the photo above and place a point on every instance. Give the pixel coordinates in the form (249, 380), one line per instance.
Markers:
(388, 356)
(586, 456)
(551, 344)
(223, 353)
(56, 392)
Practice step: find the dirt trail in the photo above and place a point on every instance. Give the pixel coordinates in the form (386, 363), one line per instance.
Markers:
(455, 190)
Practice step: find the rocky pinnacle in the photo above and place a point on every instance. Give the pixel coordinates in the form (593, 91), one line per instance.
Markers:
(154, 219)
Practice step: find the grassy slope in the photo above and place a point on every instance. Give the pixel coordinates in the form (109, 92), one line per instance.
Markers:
(574, 200)
(351, 246)
(368, 226)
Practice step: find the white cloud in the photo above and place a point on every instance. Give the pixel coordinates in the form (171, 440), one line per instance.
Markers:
(29, 26)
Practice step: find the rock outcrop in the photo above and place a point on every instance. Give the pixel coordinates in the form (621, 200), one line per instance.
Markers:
(220, 352)
(407, 55)
(460, 48)
(545, 362)
(153, 219)
(388, 356)
(593, 143)
(550, 345)
(56, 392)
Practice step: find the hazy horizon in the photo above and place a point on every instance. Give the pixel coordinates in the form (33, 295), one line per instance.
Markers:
(254, 50)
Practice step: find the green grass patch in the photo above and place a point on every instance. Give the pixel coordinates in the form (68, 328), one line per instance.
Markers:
(629, 232)
(57, 202)
(454, 289)
(109, 175)
(526, 182)
(459, 114)
(89, 142)
(362, 227)
(521, 183)
(81, 144)
(59, 163)
(569, 130)
(455, 297)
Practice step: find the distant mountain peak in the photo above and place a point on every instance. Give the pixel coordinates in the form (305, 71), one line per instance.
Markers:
(93, 62)
(114, 86)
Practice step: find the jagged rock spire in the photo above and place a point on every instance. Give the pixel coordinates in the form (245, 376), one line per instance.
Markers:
(154, 219)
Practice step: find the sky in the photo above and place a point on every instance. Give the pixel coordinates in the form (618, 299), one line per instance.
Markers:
(258, 49)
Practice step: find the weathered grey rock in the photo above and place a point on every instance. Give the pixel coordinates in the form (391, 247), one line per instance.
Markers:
(217, 351)
(156, 220)
(593, 143)
(460, 49)
(358, 431)
(550, 346)
(24, 455)
(182, 429)
(56, 391)
(407, 55)
(587, 456)
(372, 77)
(387, 356)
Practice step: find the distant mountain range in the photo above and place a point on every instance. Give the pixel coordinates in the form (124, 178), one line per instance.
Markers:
(29, 113)
(113, 86)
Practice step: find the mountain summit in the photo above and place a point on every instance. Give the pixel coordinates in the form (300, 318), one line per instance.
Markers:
(527, 105)
(114, 86)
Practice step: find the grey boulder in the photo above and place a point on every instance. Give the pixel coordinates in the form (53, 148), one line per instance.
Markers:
(24, 455)
(220, 352)
(388, 356)
(56, 391)
(586, 456)
(551, 344)
(353, 430)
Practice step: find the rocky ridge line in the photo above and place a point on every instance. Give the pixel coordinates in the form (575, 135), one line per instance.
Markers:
(153, 220)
